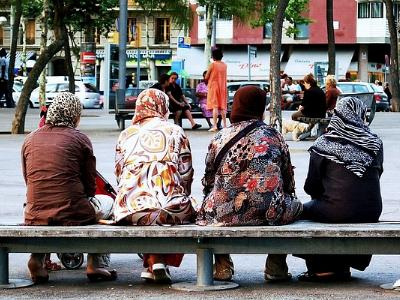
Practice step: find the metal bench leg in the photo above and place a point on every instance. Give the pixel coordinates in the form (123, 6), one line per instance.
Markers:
(205, 281)
(5, 282)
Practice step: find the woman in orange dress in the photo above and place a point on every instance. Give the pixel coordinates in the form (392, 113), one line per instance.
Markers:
(217, 93)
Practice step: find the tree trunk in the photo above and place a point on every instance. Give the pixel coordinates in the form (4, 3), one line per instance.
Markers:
(17, 10)
(209, 26)
(18, 124)
(275, 66)
(68, 63)
(43, 46)
(331, 38)
(394, 62)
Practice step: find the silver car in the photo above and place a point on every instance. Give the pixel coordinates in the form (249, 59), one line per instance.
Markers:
(87, 93)
(381, 99)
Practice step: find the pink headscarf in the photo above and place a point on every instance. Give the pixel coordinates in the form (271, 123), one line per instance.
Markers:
(151, 103)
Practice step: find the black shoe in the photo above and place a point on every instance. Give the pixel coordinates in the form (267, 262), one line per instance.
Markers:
(196, 126)
(329, 277)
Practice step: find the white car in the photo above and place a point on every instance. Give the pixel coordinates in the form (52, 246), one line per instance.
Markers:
(87, 93)
(235, 85)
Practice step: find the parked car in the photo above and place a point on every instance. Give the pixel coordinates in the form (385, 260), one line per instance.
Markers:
(131, 95)
(234, 86)
(381, 99)
(87, 93)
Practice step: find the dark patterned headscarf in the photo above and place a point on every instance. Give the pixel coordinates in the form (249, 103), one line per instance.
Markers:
(248, 103)
(149, 104)
(349, 140)
(64, 111)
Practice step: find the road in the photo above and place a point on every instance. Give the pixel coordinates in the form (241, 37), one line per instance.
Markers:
(102, 130)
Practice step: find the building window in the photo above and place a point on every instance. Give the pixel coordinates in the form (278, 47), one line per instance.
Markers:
(376, 10)
(268, 30)
(30, 32)
(132, 30)
(302, 32)
(162, 31)
(363, 10)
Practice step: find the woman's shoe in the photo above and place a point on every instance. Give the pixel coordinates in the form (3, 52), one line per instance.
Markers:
(324, 277)
(196, 126)
(223, 274)
(98, 277)
(277, 278)
(213, 129)
(161, 273)
(38, 272)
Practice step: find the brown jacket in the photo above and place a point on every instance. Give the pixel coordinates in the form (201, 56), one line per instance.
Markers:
(59, 170)
(331, 97)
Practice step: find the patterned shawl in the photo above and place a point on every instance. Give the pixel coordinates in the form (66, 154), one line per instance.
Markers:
(349, 140)
(149, 104)
(64, 111)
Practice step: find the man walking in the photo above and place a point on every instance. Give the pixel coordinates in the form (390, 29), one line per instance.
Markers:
(4, 63)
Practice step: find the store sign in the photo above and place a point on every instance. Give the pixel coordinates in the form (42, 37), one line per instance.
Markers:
(88, 58)
(184, 42)
(160, 54)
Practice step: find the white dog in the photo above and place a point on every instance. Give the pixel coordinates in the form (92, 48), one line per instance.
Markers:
(296, 128)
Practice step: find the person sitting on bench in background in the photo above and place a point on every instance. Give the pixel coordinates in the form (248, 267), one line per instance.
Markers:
(59, 169)
(343, 182)
(162, 84)
(153, 165)
(178, 104)
(249, 179)
(313, 104)
(201, 94)
(332, 93)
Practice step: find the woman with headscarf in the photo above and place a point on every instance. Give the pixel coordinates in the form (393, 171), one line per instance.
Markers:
(153, 165)
(249, 179)
(59, 169)
(343, 182)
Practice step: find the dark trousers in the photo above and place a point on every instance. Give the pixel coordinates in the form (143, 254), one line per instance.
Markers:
(4, 91)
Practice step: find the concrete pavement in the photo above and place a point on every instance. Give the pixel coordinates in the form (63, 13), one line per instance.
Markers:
(103, 131)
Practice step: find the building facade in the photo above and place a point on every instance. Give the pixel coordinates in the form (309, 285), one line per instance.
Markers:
(361, 36)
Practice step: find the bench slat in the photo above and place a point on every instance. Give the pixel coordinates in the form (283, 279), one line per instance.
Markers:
(301, 229)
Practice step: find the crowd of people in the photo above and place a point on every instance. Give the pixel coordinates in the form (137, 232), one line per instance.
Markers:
(248, 180)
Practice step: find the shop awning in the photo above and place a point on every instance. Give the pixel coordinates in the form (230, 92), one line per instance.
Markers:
(302, 62)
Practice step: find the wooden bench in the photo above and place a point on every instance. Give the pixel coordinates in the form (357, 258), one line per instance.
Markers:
(321, 122)
(301, 237)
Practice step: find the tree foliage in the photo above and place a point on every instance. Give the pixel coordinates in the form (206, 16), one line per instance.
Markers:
(65, 16)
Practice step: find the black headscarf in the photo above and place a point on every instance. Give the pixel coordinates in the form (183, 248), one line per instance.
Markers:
(248, 104)
(349, 140)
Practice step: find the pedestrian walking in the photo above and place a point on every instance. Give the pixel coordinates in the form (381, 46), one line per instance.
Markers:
(4, 91)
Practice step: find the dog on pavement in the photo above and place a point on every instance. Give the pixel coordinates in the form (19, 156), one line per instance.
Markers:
(295, 127)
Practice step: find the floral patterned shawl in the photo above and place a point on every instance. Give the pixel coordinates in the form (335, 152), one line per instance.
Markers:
(153, 166)
(255, 182)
